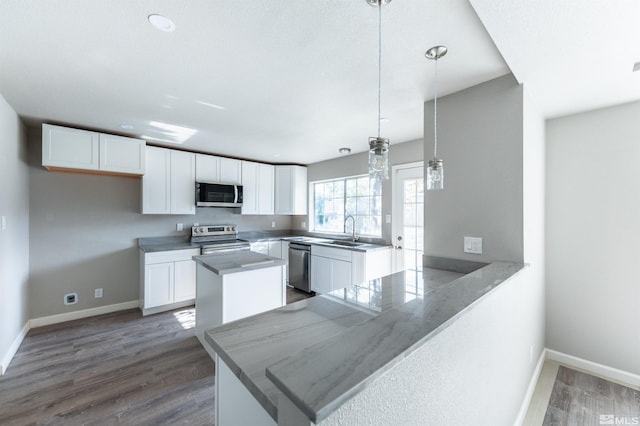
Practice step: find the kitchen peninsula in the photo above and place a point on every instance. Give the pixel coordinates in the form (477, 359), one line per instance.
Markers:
(235, 285)
(311, 362)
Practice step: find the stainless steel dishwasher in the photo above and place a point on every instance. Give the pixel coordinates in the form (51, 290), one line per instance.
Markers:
(300, 266)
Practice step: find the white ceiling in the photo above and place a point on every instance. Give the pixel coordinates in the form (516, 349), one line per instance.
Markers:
(571, 55)
(298, 79)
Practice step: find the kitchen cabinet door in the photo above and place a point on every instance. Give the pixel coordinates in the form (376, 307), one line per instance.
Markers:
(230, 171)
(275, 249)
(290, 190)
(320, 274)
(158, 284)
(207, 168)
(257, 186)
(183, 182)
(119, 154)
(63, 147)
(156, 182)
(340, 274)
(265, 188)
(285, 256)
(185, 280)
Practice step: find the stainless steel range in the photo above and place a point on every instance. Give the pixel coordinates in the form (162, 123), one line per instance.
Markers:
(218, 239)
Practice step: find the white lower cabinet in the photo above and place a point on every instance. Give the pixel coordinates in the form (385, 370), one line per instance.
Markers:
(168, 280)
(335, 268)
(330, 268)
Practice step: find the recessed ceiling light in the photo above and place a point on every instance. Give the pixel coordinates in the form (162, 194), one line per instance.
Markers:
(636, 67)
(344, 150)
(126, 126)
(162, 22)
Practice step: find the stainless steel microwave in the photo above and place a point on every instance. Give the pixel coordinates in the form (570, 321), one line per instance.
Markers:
(218, 195)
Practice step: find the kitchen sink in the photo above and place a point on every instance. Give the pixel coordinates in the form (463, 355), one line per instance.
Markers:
(346, 243)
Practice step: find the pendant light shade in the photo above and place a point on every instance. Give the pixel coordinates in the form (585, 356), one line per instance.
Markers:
(435, 167)
(379, 158)
(379, 147)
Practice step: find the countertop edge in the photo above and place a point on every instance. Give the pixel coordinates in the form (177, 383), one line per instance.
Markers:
(319, 413)
(255, 391)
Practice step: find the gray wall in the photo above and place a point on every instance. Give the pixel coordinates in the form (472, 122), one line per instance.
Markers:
(593, 200)
(14, 241)
(480, 137)
(83, 231)
(358, 164)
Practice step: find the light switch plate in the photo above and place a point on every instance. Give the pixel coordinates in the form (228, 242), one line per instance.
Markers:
(473, 245)
(388, 218)
(179, 226)
(4, 222)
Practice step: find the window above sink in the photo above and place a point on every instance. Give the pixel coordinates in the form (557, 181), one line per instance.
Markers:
(335, 199)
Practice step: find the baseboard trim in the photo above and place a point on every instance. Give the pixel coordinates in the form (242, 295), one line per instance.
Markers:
(614, 374)
(533, 382)
(85, 313)
(6, 359)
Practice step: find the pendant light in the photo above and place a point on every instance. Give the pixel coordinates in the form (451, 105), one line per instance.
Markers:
(435, 167)
(379, 147)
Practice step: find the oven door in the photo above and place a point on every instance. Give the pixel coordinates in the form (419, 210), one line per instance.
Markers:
(218, 195)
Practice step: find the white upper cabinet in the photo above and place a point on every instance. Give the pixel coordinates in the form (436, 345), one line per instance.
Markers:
(183, 182)
(74, 149)
(230, 171)
(168, 186)
(291, 190)
(207, 168)
(156, 182)
(257, 187)
(212, 169)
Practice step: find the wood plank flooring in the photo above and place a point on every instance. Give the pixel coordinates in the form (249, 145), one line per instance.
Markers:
(582, 399)
(114, 369)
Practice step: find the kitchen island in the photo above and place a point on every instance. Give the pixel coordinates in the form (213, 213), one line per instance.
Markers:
(311, 362)
(235, 285)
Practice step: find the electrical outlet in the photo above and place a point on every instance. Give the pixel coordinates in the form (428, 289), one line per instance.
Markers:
(71, 298)
(273, 224)
(98, 293)
(179, 226)
(388, 218)
(4, 223)
(303, 224)
(196, 224)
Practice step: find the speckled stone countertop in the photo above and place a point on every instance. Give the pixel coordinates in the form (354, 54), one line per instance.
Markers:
(237, 261)
(320, 352)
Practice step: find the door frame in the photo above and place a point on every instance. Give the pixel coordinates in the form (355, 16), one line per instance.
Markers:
(394, 204)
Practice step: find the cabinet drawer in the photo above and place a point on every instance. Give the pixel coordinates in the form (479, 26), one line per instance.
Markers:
(170, 256)
(331, 252)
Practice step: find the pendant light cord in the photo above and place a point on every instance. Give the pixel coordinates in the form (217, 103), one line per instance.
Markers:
(379, 59)
(435, 115)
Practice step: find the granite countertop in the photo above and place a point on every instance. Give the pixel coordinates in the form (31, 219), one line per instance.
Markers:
(237, 261)
(320, 352)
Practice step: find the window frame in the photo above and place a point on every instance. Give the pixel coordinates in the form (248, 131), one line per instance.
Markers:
(344, 179)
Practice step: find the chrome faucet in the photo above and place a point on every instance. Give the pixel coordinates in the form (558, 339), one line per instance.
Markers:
(353, 228)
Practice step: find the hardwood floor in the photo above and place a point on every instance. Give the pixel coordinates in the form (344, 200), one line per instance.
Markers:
(112, 369)
(567, 396)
